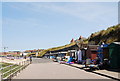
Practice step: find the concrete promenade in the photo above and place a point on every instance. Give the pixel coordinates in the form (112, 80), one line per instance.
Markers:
(46, 69)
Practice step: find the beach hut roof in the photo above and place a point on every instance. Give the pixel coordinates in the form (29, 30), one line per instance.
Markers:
(116, 43)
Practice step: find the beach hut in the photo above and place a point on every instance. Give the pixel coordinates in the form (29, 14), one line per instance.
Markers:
(114, 54)
(92, 51)
(105, 51)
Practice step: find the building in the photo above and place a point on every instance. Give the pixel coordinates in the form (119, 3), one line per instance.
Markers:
(92, 51)
(114, 54)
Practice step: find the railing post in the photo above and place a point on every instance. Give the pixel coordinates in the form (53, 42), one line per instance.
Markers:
(19, 65)
(10, 72)
(1, 76)
(24, 62)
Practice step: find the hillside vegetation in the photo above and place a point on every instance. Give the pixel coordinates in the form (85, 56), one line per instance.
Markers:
(55, 48)
(111, 34)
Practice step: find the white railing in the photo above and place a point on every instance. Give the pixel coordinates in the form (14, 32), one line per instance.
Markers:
(5, 67)
(13, 71)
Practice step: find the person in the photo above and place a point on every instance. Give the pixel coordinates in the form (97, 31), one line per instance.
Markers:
(97, 60)
(24, 57)
(79, 53)
(88, 61)
(30, 59)
(105, 64)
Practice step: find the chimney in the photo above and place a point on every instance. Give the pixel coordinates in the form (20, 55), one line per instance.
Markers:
(80, 37)
(72, 40)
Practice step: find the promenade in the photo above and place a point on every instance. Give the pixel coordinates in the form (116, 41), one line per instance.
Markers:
(46, 69)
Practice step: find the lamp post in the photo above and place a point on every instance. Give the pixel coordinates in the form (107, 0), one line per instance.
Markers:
(4, 49)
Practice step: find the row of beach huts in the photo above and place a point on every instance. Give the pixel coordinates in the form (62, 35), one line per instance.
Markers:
(104, 55)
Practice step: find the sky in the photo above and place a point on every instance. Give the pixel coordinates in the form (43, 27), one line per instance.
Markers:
(42, 25)
(0, 26)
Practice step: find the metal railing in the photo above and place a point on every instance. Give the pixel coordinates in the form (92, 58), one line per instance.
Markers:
(13, 70)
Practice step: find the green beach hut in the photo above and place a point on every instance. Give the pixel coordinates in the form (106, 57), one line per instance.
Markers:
(114, 54)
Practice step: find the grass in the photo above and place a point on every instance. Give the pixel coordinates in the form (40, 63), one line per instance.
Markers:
(5, 75)
(55, 48)
(2, 64)
(107, 36)
(8, 68)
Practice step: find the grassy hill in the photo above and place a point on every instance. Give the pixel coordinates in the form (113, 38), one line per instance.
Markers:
(55, 48)
(111, 34)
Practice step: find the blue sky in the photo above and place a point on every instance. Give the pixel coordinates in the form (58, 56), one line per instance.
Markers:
(30, 25)
(0, 27)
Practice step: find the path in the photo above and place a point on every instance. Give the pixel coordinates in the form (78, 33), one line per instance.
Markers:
(46, 69)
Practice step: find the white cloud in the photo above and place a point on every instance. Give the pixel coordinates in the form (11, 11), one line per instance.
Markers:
(86, 11)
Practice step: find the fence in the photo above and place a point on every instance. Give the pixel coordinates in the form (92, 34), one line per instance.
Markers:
(13, 70)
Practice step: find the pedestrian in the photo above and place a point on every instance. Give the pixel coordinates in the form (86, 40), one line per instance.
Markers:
(30, 59)
(97, 61)
(24, 57)
(88, 62)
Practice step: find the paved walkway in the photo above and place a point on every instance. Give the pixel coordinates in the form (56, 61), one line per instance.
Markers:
(110, 74)
(46, 69)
